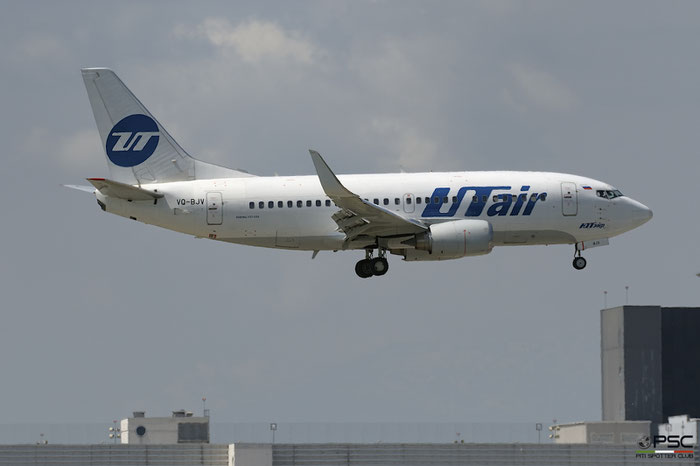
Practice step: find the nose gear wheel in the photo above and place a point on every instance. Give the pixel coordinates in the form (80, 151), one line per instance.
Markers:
(579, 262)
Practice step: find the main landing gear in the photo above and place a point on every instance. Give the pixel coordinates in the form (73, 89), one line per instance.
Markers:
(579, 262)
(370, 266)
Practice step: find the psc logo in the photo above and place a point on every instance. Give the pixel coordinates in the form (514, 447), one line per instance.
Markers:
(644, 442)
(672, 441)
(132, 140)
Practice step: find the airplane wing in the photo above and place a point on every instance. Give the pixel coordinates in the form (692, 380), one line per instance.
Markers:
(358, 217)
(123, 190)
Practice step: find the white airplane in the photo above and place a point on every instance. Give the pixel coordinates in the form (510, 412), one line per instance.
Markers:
(420, 216)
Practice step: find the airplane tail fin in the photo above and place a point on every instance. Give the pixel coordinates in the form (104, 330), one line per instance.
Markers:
(139, 150)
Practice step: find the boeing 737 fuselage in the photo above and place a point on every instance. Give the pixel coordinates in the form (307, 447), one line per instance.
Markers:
(420, 216)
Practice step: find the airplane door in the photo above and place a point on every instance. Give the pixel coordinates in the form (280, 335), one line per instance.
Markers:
(409, 203)
(569, 199)
(214, 210)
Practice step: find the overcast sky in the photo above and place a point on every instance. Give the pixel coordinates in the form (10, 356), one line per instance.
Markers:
(102, 316)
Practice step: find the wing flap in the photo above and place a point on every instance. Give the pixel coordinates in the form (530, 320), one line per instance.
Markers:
(123, 191)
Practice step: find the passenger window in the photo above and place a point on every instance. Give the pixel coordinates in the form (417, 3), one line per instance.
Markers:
(408, 200)
(436, 200)
(397, 201)
(454, 199)
(290, 204)
(261, 204)
(328, 202)
(427, 200)
(299, 203)
(376, 201)
(308, 203)
(270, 204)
(280, 204)
(444, 200)
(251, 205)
(475, 198)
(318, 203)
(533, 196)
(419, 200)
(386, 201)
(523, 197)
(484, 198)
(495, 198)
(543, 197)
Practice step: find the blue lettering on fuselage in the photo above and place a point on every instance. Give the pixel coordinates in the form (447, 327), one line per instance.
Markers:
(480, 196)
(434, 208)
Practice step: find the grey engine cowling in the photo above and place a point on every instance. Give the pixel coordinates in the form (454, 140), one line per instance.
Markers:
(451, 240)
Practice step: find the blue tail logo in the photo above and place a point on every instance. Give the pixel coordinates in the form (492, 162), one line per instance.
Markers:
(132, 141)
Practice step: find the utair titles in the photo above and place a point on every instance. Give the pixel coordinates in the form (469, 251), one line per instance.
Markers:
(522, 203)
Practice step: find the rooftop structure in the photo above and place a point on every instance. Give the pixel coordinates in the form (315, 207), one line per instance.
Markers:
(181, 427)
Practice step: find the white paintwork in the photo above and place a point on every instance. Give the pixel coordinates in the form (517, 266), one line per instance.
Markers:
(214, 202)
(159, 430)
(311, 228)
(250, 454)
(600, 432)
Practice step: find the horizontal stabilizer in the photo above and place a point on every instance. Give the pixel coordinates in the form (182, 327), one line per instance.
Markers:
(123, 191)
(87, 189)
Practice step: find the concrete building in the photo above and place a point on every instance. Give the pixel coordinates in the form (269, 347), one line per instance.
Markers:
(681, 426)
(181, 427)
(601, 432)
(650, 362)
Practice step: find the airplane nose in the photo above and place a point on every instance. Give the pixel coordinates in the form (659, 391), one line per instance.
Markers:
(640, 212)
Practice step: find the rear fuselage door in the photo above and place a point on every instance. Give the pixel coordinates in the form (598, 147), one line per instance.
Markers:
(569, 199)
(214, 209)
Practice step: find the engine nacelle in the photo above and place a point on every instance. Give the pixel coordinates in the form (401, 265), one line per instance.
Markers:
(451, 240)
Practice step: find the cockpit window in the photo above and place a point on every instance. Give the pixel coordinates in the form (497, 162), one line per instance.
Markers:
(608, 194)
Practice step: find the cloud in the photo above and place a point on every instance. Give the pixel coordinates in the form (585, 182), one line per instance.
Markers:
(412, 150)
(406, 70)
(255, 41)
(42, 48)
(540, 88)
(79, 150)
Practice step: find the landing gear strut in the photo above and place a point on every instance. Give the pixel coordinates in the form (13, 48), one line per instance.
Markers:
(579, 262)
(370, 266)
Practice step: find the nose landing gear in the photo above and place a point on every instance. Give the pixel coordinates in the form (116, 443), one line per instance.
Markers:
(579, 262)
(370, 266)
